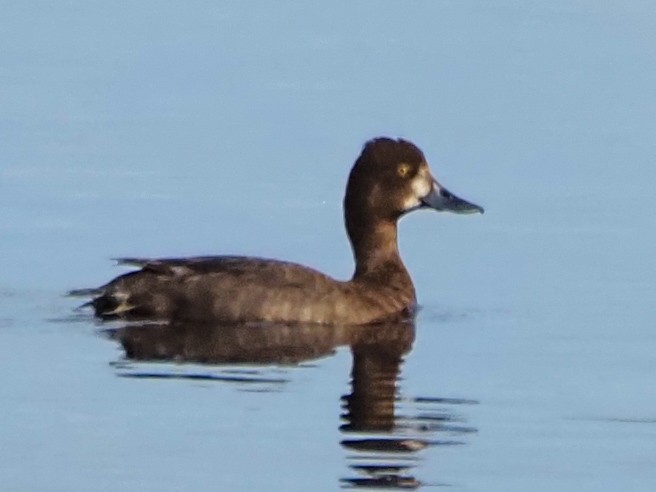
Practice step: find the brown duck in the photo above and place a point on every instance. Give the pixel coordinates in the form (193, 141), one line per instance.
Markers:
(389, 179)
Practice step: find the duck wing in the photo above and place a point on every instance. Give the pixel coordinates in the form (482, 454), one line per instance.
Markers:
(226, 288)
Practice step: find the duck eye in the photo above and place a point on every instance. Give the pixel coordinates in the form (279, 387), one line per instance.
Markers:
(403, 170)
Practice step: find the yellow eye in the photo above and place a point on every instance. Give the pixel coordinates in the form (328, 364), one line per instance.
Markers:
(403, 170)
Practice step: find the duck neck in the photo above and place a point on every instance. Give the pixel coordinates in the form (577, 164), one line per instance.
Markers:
(375, 248)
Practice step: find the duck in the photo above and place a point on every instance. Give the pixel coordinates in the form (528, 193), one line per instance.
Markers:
(390, 178)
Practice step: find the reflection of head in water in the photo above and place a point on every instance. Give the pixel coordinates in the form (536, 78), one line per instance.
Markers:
(377, 359)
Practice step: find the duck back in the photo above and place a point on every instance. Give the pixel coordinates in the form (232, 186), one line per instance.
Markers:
(236, 289)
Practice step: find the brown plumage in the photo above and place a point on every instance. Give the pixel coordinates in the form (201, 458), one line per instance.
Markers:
(389, 179)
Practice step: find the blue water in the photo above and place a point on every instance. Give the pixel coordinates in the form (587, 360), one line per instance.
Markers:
(163, 129)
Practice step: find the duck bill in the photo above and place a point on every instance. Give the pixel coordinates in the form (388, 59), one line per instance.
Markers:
(443, 200)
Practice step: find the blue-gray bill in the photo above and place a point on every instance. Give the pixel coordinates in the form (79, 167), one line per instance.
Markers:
(443, 200)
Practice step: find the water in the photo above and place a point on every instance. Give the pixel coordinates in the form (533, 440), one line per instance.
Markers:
(160, 130)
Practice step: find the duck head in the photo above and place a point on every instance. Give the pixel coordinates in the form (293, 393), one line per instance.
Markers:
(391, 178)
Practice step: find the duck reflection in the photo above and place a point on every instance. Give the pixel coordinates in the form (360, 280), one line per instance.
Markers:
(383, 446)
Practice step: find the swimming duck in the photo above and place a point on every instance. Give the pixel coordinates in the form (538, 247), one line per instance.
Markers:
(389, 179)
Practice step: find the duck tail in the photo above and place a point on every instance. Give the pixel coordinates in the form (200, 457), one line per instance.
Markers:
(93, 292)
(130, 261)
(105, 305)
(81, 307)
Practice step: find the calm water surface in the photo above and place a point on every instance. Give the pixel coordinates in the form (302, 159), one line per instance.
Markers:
(157, 129)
